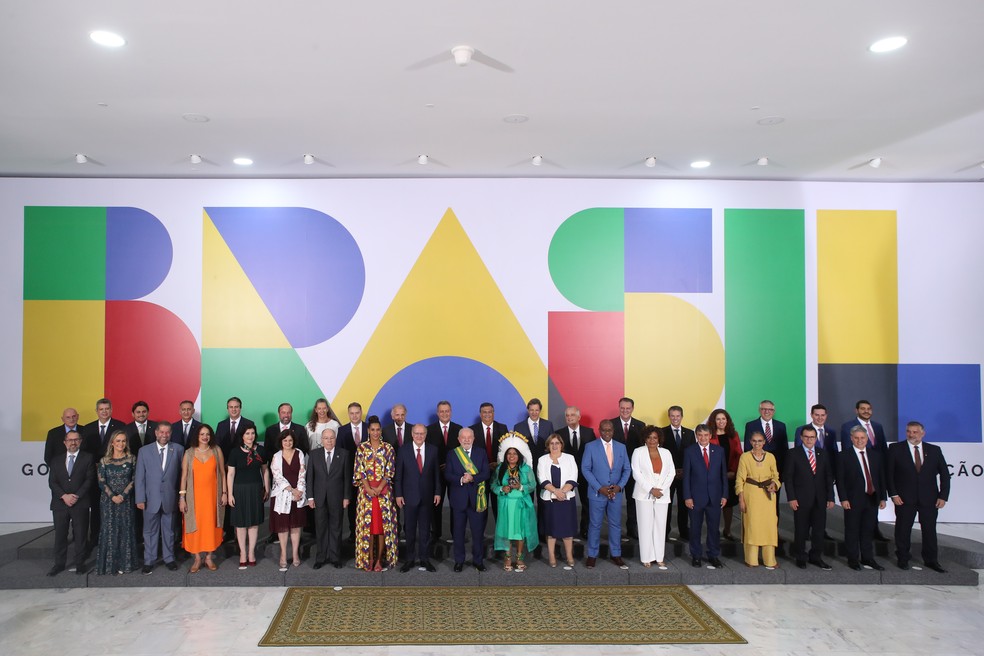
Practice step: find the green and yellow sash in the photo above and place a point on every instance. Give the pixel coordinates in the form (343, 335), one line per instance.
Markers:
(481, 500)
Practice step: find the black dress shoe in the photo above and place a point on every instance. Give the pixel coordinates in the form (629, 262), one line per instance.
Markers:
(826, 536)
(855, 565)
(589, 562)
(337, 564)
(715, 562)
(821, 564)
(406, 567)
(81, 570)
(695, 562)
(318, 565)
(480, 567)
(618, 562)
(936, 567)
(429, 566)
(879, 537)
(458, 567)
(55, 570)
(873, 565)
(903, 564)
(801, 564)
(685, 537)
(173, 566)
(147, 569)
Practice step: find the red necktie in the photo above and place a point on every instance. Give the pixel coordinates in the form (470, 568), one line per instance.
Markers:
(399, 436)
(488, 442)
(871, 434)
(445, 436)
(869, 487)
(420, 461)
(813, 462)
(707, 461)
(918, 459)
(768, 432)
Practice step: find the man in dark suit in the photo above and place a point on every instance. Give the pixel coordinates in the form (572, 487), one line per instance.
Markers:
(809, 480)
(229, 431)
(444, 435)
(705, 491)
(826, 435)
(156, 481)
(918, 481)
(398, 433)
(466, 474)
(876, 440)
(350, 436)
(676, 439)
(776, 439)
(183, 430)
(861, 488)
(54, 443)
(140, 431)
(487, 434)
(71, 478)
(95, 438)
(575, 437)
(628, 431)
(418, 485)
(329, 489)
(536, 430)
(271, 438)
(606, 490)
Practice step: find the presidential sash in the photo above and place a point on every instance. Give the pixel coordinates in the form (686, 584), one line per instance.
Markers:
(481, 500)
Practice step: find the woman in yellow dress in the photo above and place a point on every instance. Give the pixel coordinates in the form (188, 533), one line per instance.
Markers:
(203, 497)
(756, 483)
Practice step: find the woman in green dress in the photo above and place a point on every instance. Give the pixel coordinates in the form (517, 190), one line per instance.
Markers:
(516, 525)
(117, 536)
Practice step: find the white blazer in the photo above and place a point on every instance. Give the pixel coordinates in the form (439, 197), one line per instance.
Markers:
(568, 472)
(646, 480)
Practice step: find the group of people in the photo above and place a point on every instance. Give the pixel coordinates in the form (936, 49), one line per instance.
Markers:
(189, 482)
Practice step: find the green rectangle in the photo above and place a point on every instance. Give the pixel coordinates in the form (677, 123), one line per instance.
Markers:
(765, 313)
(64, 253)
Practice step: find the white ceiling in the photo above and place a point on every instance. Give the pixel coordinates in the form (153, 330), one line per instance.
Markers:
(604, 84)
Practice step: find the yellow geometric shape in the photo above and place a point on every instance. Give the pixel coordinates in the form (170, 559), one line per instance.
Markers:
(857, 287)
(449, 305)
(674, 356)
(233, 314)
(64, 363)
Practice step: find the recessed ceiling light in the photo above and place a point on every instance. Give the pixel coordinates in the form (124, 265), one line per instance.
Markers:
(195, 159)
(516, 118)
(770, 120)
(875, 162)
(242, 161)
(650, 161)
(195, 118)
(762, 161)
(889, 44)
(422, 159)
(108, 39)
(309, 159)
(537, 160)
(80, 158)
(700, 164)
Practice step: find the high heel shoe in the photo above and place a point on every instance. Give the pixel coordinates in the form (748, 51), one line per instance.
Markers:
(508, 566)
(553, 561)
(210, 565)
(520, 565)
(570, 563)
(195, 566)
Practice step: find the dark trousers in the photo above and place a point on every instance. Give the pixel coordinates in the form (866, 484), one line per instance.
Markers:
(582, 495)
(859, 529)
(809, 523)
(905, 517)
(417, 527)
(710, 513)
(328, 531)
(631, 525)
(94, 522)
(76, 518)
(683, 514)
(476, 521)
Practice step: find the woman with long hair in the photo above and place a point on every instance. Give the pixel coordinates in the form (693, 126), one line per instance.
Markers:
(516, 524)
(322, 417)
(724, 434)
(117, 539)
(203, 497)
(248, 481)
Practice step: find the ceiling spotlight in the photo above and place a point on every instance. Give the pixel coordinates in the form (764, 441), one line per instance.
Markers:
(762, 161)
(462, 55)
(537, 160)
(650, 162)
(108, 39)
(195, 159)
(242, 161)
(80, 158)
(422, 159)
(700, 164)
(309, 159)
(889, 44)
(875, 162)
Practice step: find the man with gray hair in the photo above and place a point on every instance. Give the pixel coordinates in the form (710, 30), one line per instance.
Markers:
(575, 437)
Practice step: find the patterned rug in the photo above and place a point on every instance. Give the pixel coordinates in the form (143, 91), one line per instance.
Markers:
(609, 615)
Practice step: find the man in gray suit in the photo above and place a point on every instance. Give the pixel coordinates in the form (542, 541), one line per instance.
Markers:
(71, 481)
(157, 476)
(329, 489)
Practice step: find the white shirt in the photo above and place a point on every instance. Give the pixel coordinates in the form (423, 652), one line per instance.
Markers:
(912, 452)
(419, 451)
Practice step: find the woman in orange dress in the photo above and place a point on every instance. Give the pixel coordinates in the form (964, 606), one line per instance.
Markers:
(203, 497)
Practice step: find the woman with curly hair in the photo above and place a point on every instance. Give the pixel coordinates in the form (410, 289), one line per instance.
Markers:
(375, 520)
(723, 434)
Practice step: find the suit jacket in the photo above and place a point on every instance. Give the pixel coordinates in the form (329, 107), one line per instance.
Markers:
(646, 479)
(329, 487)
(544, 431)
(271, 439)
(225, 441)
(917, 488)
(435, 436)
(346, 440)
(584, 435)
(158, 489)
(91, 442)
(850, 476)
(829, 439)
(54, 443)
(498, 430)
(633, 440)
(389, 435)
(415, 486)
(133, 435)
(687, 438)
(881, 444)
(705, 485)
(778, 447)
(81, 482)
(802, 485)
(595, 467)
(177, 432)
(460, 496)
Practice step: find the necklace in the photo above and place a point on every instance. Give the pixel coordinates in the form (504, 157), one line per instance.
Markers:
(756, 459)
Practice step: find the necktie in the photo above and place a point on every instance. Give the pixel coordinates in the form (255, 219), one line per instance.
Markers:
(358, 439)
(574, 440)
(768, 432)
(536, 431)
(161, 451)
(918, 459)
(142, 429)
(185, 431)
(420, 461)
(820, 438)
(327, 461)
(608, 454)
(813, 462)
(399, 435)
(869, 487)
(676, 436)
(707, 461)
(445, 436)
(488, 442)
(871, 433)
(71, 464)
(625, 432)
(232, 429)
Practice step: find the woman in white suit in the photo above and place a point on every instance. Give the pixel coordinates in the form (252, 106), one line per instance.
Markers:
(653, 471)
